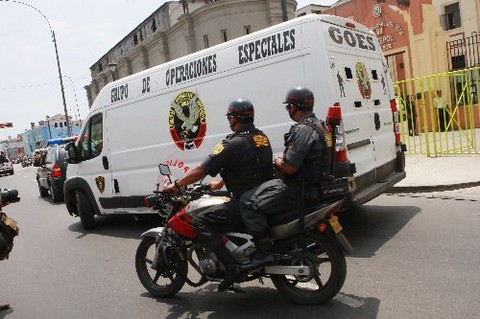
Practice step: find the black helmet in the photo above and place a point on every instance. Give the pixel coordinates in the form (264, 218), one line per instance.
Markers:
(301, 97)
(242, 109)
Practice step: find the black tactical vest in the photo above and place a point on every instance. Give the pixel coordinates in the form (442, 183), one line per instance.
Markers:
(317, 164)
(253, 167)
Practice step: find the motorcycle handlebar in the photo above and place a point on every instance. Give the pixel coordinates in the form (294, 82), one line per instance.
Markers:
(9, 196)
(202, 188)
(159, 198)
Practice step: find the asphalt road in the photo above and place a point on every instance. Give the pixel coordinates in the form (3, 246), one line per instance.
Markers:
(416, 256)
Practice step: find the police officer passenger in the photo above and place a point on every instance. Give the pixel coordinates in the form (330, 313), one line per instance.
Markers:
(306, 162)
(243, 160)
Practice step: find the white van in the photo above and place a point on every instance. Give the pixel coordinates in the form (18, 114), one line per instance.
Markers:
(174, 113)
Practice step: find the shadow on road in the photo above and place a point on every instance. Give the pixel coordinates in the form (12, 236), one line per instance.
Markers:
(369, 227)
(262, 302)
(121, 226)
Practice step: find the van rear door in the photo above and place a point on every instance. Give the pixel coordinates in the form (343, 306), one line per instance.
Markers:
(357, 64)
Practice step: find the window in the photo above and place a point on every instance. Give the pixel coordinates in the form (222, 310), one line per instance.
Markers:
(154, 26)
(91, 140)
(135, 39)
(100, 68)
(61, 124)
(55, 124)
(348, 73)
(458, 62)
(205, 41)
(248, 29)
(452, 16)
(224, 35)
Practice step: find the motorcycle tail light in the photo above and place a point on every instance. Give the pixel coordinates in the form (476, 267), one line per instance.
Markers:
(322, 227)
(56, 170)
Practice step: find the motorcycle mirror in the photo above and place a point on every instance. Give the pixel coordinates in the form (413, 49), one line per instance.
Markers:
(164, 169)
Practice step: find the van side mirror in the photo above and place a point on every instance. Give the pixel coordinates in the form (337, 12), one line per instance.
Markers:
(73, 153)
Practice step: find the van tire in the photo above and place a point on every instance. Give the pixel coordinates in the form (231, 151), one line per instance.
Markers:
(85, 210)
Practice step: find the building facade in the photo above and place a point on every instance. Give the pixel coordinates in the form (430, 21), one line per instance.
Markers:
(179, 28)
(420, 37)
(50, 128)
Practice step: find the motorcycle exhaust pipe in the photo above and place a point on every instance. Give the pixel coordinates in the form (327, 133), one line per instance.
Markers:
(288, 270)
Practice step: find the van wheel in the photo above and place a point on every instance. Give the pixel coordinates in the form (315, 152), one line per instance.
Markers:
(55, 195)
(85, 210)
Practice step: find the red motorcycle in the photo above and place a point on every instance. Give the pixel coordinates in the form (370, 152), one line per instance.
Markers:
(309, 266)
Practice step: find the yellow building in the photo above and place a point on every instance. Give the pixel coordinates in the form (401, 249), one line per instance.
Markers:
(420, 37)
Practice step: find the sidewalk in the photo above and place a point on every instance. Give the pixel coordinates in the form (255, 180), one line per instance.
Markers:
(426, 174)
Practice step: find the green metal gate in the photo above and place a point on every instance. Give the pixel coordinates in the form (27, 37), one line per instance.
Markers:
(439, 113)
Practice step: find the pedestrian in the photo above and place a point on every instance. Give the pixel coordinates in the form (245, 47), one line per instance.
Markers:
(442, 110)
(8, 230)
(306, 162)
(411, 115)
(243, 160)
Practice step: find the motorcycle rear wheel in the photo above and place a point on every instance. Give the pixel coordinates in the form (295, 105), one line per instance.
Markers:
(171, 273)
(329, 270)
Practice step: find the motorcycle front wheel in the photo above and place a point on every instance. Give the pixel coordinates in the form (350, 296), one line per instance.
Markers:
(168, 276)
(328, 272)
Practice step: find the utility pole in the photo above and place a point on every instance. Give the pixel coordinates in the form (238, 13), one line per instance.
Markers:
(284, 10)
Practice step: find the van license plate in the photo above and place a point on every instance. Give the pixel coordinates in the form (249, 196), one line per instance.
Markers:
(335, 225)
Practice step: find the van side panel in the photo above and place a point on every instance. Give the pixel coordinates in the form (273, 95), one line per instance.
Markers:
(175, 113)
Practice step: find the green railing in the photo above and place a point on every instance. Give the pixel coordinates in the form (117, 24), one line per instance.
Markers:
(435, 123)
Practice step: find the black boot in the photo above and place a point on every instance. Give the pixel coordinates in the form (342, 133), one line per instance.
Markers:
(210, 239)
(232, 274)
(263, 255)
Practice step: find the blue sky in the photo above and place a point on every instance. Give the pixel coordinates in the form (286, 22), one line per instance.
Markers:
(85, 30)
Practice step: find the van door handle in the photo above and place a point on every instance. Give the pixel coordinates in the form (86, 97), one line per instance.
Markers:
(105, 162)
(115, 186)
(377, 121)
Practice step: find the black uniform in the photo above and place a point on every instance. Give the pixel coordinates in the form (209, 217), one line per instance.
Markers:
(244, 160)
(307, 147)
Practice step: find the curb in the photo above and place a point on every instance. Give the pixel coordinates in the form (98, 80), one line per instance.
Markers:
(431, 188)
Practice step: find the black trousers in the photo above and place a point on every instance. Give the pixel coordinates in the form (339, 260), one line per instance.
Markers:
(259, 202)
(443, 119)
(272, 197)
(213, 222)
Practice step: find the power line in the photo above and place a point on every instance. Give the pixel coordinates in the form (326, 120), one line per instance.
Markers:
(37, 85)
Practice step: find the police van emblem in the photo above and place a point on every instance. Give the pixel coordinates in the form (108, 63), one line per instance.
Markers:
(187, 121)
(100, 181)
(363, 80)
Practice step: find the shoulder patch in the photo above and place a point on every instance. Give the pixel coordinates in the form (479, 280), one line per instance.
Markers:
(328, 139)
(218, 149)
(260, 141)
